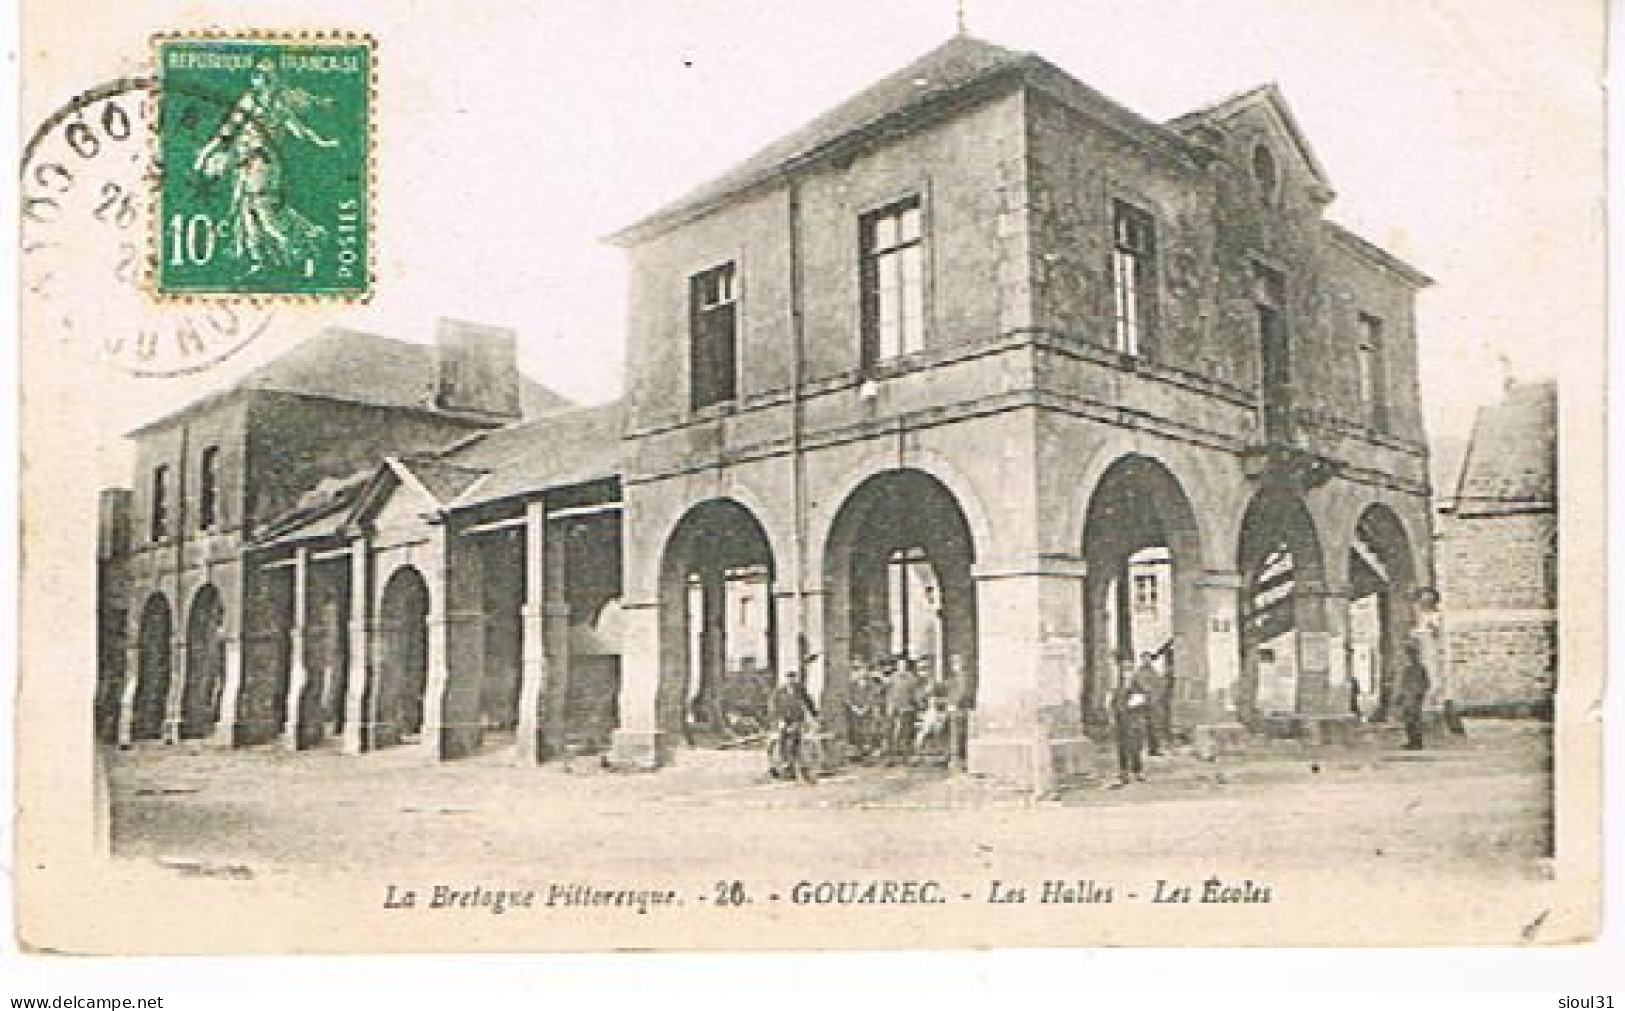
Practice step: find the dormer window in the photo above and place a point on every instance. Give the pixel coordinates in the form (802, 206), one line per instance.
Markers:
(1265, 172)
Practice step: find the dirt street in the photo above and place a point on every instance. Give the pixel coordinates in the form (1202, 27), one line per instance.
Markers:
(1479, 804)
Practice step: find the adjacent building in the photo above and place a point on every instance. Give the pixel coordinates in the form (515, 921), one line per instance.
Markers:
(1498, 550)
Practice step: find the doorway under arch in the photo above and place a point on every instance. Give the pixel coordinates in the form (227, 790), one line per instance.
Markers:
(1143, 557)
(205, 664)
(1283, 617)
(402, 674)
(1382, 611)
(899, 593)
(718, 624)
(154, 653)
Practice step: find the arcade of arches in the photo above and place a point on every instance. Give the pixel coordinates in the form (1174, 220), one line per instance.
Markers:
(1270, 635)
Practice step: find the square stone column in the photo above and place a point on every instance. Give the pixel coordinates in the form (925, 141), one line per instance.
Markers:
(529, 748)
(175, 701)
(1027, 727)
(231, 689)
(358, 720)
(127, 695)
(437, 624)
(639, 743)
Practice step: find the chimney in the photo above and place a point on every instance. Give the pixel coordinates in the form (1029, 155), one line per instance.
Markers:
(478, 373)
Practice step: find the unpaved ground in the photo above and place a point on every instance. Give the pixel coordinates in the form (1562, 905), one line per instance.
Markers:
(1479, 806)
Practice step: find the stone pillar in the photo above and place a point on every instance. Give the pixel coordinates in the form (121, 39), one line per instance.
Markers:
(179, 672)
(556, 641)
(359, 716)
(1220, 727)
(298, 673)
(707, 680)
(1309, 607)
(639, 742)
(437, 629)
(1027, 726)
(127, 697)
(529, 747)
(231, 689)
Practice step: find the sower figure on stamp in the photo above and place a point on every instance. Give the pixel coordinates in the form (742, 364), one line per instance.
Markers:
(789, 710)
(1413, 692)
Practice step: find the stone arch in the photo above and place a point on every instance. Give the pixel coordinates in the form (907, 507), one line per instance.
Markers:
(205, 663)
(153, 668)
(397, 683)
(898, 588)
(1284, 644)
(1214, 500)
(836, 494)
(1144, 554)
(716, 666)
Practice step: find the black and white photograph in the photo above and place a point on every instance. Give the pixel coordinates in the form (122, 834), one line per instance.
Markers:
(723, 475)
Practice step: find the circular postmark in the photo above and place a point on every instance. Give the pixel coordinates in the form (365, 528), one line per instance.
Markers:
(87, 181)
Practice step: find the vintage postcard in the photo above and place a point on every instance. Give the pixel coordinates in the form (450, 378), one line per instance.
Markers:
(567, 476)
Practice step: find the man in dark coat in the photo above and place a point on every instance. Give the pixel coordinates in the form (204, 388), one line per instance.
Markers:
(1413, 692)
(1131, 711)
(789, 709)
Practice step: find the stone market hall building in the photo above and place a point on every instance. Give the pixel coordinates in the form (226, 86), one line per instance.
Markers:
(981, 372)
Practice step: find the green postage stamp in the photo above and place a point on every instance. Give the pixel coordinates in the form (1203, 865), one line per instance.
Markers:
(265, 153)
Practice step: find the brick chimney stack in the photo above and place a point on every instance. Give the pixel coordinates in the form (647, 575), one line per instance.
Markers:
(478, 370)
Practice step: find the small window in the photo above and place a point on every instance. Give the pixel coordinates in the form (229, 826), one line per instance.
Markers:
(160, 502)
(1146, 592)
(1134, 247)
(208, 485)
(1372, 372)
(714, 337)
(892, 278)
(1265, 171)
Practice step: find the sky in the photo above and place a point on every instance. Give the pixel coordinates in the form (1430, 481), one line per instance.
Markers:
(512, 137)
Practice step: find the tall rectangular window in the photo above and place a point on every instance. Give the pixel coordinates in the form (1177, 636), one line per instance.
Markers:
(713, 337)
(1373, 378)
(893, 281)
(208, 488)
(160, 502)
(1134, 250)
(1275, 349)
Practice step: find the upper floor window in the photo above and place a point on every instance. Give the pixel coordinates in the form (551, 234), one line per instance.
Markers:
(713, 337)
(208, 488)
(893, 281)
(160, 502)
(1133, 279)
(1373, 385)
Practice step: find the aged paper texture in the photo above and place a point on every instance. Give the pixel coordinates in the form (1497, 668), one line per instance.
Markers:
(569, 476)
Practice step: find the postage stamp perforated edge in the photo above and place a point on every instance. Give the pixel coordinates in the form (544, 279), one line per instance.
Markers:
(248, 295)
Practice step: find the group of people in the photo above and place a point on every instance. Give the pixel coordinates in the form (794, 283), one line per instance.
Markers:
(895, 712)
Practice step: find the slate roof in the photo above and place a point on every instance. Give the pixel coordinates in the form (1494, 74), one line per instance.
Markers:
(951, 67)
(361, 368)
(568, 448)
(1511, 463)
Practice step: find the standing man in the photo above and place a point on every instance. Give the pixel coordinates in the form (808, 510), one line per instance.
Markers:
(902, 700)
(1413, 692)
(1131, 708)
(789, 710)
(1148, 682)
